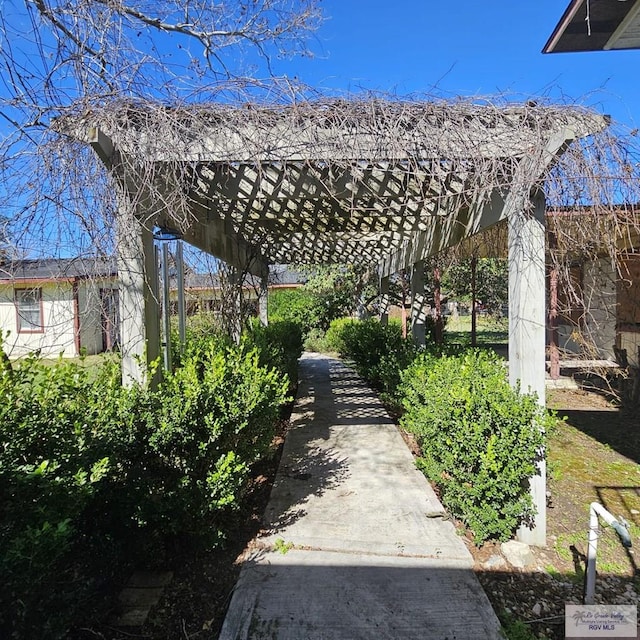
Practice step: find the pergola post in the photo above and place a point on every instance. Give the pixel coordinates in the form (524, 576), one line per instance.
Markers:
(527, 332)
(166, 306)
(474, 295)
(138, 294)
(263, 300)
(418, 317)
(384, 300)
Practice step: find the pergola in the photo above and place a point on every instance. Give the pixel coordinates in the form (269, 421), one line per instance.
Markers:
(382, 181)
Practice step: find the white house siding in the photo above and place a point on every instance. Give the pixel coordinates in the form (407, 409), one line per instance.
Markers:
(57, 337)
(90, 308)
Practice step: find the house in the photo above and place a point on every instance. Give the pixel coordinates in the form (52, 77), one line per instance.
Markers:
(58, 307)
(596, 25)
(204, 292)
(70, 306)
(594, 282)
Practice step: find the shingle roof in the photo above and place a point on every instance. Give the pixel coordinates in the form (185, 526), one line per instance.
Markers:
(278, 276)
(57, 268)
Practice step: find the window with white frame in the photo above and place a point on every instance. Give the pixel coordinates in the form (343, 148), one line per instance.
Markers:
(29, 308)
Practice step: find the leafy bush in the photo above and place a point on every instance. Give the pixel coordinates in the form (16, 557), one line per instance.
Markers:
(333, 337)
(480, 438)
(379, 351)
(95, 477)
(329, 341)
(315, 341)
(279, 345)
(216, 416)
(299, 306)
(54, 468)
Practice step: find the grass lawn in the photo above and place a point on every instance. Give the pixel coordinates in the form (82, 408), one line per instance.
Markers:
(490, 331)
(593, 457)
(86, 361)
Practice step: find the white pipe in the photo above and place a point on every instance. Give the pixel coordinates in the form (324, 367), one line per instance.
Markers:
(595, 510)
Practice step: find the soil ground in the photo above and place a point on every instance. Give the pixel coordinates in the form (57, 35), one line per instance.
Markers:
(593, 456)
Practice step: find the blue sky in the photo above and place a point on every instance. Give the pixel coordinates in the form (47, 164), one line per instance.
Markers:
(466, 48)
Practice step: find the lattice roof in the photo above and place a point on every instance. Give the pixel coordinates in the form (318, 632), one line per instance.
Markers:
(382, 181)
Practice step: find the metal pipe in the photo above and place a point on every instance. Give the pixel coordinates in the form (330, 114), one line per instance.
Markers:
(620, 526)
(182, 327)
(166, 306)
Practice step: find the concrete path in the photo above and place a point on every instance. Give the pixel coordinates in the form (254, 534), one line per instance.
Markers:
(356, 544)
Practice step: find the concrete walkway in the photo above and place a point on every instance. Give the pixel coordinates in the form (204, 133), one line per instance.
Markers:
(357, 547)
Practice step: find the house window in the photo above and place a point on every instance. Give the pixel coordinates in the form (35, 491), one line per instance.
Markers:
(29, 308)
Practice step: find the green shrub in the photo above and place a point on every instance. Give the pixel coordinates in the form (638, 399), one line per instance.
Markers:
(333, 336)
(56, 463)
(300, 306)
(480, 438)
(216, 416)
(329, 341)
(379, 352)
(95, 477)
(279, 346)
(315, 341)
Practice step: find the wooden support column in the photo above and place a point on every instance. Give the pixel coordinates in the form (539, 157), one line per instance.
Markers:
(418, 316)
(182, 323)
(404, 287)
(527, 333)
(166, 307)
(138, 294)
(384, 300)
(554, 353)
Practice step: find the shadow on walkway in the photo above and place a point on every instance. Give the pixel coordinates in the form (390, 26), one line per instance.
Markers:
(356, 543)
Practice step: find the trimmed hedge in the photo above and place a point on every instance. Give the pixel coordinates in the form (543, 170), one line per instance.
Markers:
(479, 436)
(95, 478)
(379, 352)
(279, 345)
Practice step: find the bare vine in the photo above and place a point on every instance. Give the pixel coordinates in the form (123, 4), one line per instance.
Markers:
(286, 174)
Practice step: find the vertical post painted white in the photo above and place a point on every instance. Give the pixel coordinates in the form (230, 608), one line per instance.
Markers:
(384, 300)
(417, 303)
(527, 332)
(263, 300)
(138, 294)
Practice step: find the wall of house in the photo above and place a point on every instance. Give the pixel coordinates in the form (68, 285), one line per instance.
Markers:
(91, 312)
(600, 299)
(58, 308)
(591, 331)
(629, 308)
(57, 336)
